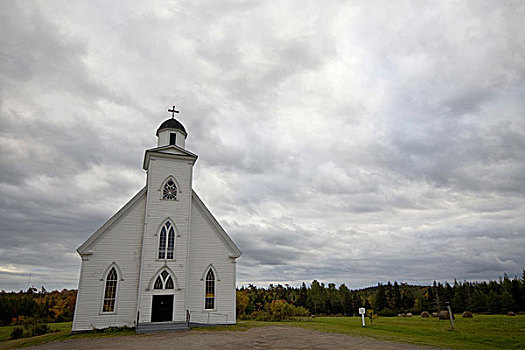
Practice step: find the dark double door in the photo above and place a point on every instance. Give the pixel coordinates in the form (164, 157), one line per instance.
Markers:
(162, 308)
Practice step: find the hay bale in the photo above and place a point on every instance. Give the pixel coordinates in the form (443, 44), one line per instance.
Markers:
(401, 315)
(443, 315)
(425, 314)
(409, 314)
(434, 314)
(510, 313)
(467, 314)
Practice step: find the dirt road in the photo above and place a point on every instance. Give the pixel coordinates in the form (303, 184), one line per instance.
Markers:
(272, 337)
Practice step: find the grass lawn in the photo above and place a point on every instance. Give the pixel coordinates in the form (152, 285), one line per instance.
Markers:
(63, 332)
(480, 332)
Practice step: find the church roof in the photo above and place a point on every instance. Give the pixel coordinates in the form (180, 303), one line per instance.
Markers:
(234, 250)
(171, 123)
(230, 245)
(83, 248)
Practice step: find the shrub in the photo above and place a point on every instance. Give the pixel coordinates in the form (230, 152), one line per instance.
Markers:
(30, 328)
(115, 329)
(112, 329)
(278, 310)
(387, 313)
(28, 323)
(39, 329)
(15, 321)
(17, 333)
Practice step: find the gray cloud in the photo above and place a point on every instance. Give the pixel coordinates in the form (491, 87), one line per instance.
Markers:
(344, 142)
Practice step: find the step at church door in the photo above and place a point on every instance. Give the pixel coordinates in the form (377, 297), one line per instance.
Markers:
(162, 308)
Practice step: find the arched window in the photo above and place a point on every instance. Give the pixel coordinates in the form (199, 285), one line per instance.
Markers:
(169, 191)
(167, 241)
(163, 281)
(110, 292)
(209, 299)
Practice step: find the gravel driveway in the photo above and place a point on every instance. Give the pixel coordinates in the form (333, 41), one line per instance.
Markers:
(271, 337)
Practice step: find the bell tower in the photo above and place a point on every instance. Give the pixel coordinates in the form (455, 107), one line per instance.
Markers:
(171, 132)
(167, 221)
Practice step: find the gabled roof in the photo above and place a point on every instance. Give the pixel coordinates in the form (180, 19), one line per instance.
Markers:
(167, 151)
(83, 249)
(234, 251)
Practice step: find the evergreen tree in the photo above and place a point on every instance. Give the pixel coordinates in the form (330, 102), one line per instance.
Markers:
(302, 296)
(457, 303)
(478, 301)
(493, 303)
(315, 298)
(448, 293)
(507, 302)
(395, 302)
(439, 296)
(380, 301)
(333, 300)
(347, 300)
(428, 300)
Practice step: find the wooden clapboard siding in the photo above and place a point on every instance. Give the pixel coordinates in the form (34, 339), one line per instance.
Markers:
(119, 244)
(207, 248)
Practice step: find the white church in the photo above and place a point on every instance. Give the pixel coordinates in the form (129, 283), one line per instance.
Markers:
(162, 259)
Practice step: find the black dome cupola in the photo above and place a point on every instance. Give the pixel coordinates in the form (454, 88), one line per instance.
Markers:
(172, 124)
(171, 131)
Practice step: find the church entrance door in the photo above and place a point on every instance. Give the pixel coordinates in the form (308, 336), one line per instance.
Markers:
(162, 308)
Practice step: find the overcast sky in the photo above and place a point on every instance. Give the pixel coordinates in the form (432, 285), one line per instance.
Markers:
(351, 142)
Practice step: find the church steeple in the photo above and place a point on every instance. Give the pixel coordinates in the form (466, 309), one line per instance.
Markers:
(171, 132)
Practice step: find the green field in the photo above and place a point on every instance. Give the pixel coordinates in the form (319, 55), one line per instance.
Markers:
(59, 331)
(62, 331)
(481, 332)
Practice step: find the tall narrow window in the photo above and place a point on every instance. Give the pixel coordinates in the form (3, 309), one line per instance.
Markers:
(173, 137)
(110, 292)
(162, 243)
(170, 190)
(209, 301)
(167, 235)
(171, 244)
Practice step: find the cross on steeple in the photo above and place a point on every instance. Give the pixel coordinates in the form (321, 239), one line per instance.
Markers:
(173, 111)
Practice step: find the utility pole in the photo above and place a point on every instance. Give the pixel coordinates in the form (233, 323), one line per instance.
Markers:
(450, 314)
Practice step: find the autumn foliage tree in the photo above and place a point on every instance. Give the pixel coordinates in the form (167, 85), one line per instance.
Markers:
(55, 306)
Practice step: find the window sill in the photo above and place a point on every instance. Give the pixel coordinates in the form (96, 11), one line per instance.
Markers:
(107, 313)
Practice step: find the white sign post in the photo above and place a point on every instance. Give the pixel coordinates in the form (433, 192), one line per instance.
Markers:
(362, 313)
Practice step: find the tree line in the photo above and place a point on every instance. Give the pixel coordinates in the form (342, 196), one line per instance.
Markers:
(390, 299)
(41, 306)
(281, 302)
